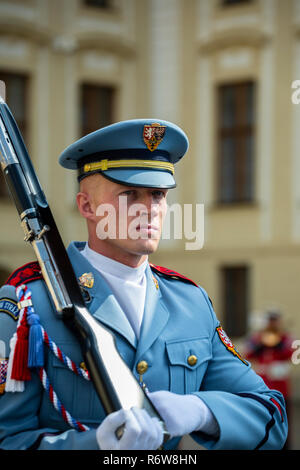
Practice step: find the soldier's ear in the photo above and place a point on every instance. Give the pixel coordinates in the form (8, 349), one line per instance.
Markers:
(84, 205)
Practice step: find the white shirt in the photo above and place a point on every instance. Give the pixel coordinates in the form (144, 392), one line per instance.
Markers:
(127, 284)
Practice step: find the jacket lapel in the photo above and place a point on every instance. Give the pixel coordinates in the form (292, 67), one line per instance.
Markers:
(155, 316)
(103, 305)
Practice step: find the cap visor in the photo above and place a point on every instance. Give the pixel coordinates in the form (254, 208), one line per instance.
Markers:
(144, 178)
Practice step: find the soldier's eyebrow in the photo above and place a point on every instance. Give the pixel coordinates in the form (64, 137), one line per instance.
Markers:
(123, 188)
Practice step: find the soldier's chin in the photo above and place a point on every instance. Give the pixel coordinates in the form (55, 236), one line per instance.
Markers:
(145, 247)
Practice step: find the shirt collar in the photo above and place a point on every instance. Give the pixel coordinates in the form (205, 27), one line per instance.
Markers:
(114, 268)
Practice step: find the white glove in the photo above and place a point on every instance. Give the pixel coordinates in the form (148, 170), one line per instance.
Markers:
(140, 432)
(184, 414)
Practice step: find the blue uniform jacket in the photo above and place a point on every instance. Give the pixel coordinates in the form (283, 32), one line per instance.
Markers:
(178, 322)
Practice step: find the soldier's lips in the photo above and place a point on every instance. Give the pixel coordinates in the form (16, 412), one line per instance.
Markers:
(147, 228)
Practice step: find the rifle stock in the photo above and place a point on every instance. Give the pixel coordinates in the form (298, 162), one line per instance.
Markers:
(114, 382)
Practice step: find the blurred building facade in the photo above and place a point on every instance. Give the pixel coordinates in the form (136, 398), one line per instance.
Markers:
(223, 71)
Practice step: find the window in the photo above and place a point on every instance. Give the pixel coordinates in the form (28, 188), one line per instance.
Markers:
(16, 98)
(97, 107)
(235, 287)
(236, 119)
(234, 2)
(97, 3)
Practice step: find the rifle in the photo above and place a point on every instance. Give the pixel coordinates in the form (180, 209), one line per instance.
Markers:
(113, 381)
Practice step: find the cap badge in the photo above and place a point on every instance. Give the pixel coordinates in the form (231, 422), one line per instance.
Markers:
(153, 135)
(87, 280)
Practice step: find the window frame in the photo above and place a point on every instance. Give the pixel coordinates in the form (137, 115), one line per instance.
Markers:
(235, 304)
(243, 180)
(84, 85)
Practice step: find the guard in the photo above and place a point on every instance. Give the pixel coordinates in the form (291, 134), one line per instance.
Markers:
(164, 323)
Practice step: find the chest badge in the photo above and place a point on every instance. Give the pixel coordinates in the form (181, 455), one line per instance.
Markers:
(153, 135)
(87, 280)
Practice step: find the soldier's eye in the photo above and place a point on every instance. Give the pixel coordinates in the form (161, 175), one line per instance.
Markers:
(130, 192)
(158, 194)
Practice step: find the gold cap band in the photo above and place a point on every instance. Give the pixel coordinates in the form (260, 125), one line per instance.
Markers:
(106, 164)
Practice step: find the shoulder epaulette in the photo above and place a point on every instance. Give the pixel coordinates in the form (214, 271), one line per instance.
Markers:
(171, 274)
(27, 273)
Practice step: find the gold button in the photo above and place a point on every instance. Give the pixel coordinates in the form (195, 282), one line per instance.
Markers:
(192, 360)
(142, 367)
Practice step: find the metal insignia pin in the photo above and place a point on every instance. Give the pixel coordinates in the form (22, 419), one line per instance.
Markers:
(155, 282)
(87, 280)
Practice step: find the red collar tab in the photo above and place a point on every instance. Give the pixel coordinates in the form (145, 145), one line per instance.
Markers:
(171, 274)
(27, 273)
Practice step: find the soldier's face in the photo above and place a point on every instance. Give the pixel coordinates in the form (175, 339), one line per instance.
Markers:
(122, 217)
